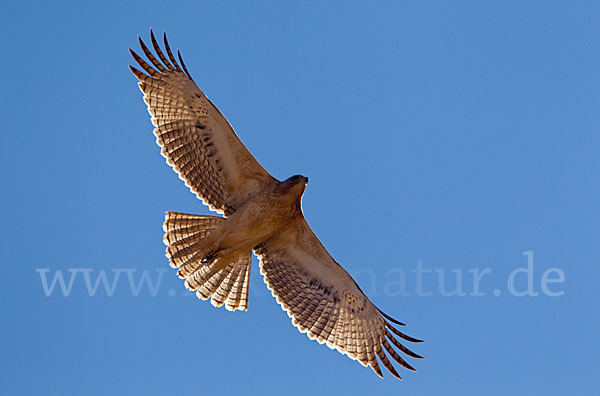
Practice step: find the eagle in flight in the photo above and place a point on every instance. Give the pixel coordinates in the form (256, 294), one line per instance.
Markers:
(260, 214)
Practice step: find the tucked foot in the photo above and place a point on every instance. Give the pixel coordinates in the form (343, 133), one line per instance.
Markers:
(210, 256)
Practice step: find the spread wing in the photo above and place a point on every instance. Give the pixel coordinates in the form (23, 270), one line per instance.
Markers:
(196, 139)
(325, 302)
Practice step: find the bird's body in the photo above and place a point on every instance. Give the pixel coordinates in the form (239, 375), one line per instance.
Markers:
(257, 220)
(261, 215)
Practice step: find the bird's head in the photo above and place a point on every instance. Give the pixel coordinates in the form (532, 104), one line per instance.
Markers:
(298, 179)
(295, 184)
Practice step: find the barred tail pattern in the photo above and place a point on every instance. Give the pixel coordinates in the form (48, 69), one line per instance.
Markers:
(225, 284)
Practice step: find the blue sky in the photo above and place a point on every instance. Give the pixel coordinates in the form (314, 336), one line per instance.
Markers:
(450, 138)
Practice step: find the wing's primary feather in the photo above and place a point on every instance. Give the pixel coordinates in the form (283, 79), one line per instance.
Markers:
(325, 302)
(196, 139)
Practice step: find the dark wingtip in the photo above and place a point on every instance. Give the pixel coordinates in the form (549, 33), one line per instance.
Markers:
(388, 317)
(159, 52)
(386, 362)
(169, 52)
(151, 57)
(152, 37)
(140, 76)
(141, 42)
(401, 334)
(377, 371)
(412, 354)
(395, 373)
(411, 339)
(409, 367)
(399, 345)
(183, 65)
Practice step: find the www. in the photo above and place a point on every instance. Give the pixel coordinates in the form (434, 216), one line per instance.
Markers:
(101, 277)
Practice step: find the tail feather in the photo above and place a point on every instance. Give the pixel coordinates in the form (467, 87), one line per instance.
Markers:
(236, 297)
(182, 224)
(183, 234)
(178, 246)
(225, 282)
(207, 289)
(225, 287)
(202, 274)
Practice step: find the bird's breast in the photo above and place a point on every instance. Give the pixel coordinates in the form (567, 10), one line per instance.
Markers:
(259, 218)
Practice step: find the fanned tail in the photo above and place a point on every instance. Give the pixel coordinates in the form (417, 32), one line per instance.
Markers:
(225, 282)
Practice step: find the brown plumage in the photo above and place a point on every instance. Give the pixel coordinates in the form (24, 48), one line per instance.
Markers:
(261, 214)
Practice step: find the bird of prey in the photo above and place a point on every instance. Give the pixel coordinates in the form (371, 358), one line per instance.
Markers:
(260, 214)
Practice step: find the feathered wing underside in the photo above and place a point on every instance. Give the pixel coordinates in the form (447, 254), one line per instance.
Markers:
(196, 140)
(224, 285)
(325, 302)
